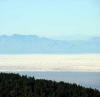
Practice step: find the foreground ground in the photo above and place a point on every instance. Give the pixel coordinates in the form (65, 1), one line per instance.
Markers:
(14, 85)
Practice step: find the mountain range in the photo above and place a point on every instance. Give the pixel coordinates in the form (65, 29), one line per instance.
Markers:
(24, 44)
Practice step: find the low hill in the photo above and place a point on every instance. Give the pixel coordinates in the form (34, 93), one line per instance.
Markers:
(14, 85)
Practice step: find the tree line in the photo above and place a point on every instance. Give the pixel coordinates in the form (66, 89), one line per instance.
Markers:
(15, 85)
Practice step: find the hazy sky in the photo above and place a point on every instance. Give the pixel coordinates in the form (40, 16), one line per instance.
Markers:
(51, 18)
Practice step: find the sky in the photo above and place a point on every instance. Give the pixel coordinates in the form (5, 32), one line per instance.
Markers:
(59, 19)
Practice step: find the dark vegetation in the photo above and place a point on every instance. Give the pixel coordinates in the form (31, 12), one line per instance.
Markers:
(14, 85)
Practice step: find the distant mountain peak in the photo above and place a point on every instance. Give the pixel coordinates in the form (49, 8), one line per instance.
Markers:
(34, 44)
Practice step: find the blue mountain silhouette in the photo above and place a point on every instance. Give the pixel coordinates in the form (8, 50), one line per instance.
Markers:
(33, 44)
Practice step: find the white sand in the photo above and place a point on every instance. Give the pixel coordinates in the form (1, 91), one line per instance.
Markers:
(50, 62)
